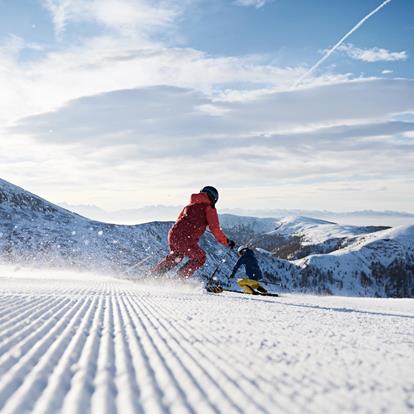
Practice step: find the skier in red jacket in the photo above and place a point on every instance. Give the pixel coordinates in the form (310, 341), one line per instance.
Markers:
(186, 232)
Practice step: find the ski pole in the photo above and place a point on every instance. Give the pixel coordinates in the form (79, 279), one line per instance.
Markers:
(223, 260)
(270, 283)
(137, 264)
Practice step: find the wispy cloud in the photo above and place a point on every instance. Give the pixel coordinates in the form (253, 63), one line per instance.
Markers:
(147, 116)
(108, 63)
(252, 3)
(374, 54)
(132, 131)
(119, 15)
(13, 45)
(95, 102)
(272, 140)
(339, 43)
(59, 9)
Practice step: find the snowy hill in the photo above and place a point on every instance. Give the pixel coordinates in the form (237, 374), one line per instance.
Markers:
(35, 231)
(295, 237)
(382, 263)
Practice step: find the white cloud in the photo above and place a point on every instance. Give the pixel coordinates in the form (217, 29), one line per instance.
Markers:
(270, 141)
(59, 12)
(107, 63)
(119, 15)
(13, 45)
(147, 117)
(374, 54)
(104, 118)
(252, 3)
(126, 59)
(387, 72)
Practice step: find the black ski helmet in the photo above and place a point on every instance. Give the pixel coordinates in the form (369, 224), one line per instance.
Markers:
(211, 192)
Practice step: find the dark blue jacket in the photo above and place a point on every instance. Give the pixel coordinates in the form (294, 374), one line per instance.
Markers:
(250, 264)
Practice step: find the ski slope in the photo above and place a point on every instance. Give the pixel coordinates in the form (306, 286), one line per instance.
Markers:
(80, 343)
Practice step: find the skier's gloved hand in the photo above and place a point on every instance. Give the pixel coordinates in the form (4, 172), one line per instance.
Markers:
(231, 243)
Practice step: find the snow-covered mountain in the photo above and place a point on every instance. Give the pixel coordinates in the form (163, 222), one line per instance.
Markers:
(35, 231)
(297, 237)
(381, 263)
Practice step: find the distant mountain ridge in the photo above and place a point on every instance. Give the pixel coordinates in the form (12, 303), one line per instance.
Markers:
(167, 213)
(326, 257)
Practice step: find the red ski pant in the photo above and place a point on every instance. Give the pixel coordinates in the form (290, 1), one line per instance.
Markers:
(178, 251)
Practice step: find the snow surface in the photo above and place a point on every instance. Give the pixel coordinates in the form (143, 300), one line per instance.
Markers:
(78, 343)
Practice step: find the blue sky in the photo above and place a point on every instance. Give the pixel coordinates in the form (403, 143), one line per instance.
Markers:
(287, 32)
(293, 32)
(124, 103)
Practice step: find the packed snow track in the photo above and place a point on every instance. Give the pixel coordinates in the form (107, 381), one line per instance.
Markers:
(77, 343)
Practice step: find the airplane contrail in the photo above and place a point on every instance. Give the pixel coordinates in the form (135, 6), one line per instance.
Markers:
(330, 51)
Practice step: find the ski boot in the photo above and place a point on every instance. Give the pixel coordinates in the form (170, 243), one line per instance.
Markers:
(248, 290)
(261, 289)
(251, 286)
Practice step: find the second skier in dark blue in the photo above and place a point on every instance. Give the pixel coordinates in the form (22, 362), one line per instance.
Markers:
(250, 283)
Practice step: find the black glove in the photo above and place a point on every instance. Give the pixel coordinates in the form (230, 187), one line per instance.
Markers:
(231, 243)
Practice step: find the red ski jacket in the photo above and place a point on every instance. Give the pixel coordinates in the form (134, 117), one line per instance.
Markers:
(193, 221)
